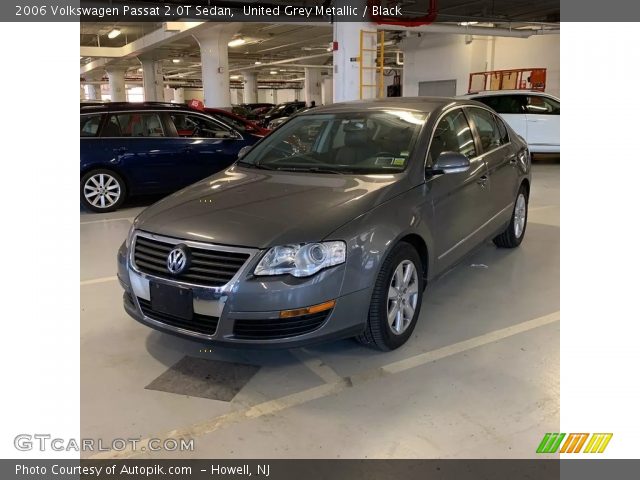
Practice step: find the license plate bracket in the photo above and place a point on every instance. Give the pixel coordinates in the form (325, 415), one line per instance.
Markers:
(171, 300)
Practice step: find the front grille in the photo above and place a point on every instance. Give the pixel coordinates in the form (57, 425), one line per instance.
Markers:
(211, 268)
(274, 328)
(198, 323)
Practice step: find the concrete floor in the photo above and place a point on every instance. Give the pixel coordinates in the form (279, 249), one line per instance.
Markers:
(478, 379)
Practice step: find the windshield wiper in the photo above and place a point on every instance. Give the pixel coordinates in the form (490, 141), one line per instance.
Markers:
(255, 165)
(311, 170)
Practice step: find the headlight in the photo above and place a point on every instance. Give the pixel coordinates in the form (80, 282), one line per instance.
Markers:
(301, 260)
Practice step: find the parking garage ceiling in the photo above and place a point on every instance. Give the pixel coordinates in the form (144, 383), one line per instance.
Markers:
(270, 42)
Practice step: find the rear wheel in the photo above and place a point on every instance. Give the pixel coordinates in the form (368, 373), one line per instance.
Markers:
(102, 190)
(513, 235)
(396, 300)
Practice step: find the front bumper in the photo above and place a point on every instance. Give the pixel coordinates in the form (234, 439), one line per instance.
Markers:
(246, 312)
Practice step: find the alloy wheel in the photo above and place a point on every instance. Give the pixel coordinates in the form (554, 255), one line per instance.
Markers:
(520, 215)
(402, 298)
(102, 190)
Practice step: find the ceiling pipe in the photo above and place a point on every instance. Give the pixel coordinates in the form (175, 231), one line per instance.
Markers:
(280, 62)
(469, 30)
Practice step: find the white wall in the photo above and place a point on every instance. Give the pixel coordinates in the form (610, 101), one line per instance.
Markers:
(539, 51)
(450, 57)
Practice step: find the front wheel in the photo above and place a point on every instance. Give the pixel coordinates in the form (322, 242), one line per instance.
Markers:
(102, 190)
(396, 300)
(513, 235)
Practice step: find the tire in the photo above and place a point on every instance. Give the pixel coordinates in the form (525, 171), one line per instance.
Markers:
(379, 331)
(513, 235)
(102, 190)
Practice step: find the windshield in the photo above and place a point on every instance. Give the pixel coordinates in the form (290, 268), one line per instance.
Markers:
(352, 142)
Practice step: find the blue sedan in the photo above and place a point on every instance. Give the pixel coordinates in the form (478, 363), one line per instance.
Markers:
(131, 149)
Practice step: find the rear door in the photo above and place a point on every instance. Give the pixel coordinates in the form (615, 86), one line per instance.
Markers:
(543, 122)
(460, 200)
(511, 109)
(500, 158)
(207, 145)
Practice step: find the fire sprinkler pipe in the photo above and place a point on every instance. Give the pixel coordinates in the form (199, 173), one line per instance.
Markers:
(471, 30)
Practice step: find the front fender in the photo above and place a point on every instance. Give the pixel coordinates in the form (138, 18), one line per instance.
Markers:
(371, 236)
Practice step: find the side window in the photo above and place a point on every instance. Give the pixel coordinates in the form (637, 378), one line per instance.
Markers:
(541, 105)
(487, 128)
(89, 125)
(504, 133)
(134, 124)
(198, 126)
(504, 104)
(452, 134)
(237, 124)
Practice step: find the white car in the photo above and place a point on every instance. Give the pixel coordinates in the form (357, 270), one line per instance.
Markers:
(535, 116)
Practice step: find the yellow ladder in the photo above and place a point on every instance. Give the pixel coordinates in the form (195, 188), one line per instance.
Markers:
(371, 61)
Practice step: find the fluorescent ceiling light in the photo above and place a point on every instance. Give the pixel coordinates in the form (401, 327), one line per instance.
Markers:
(467, 24)
(114, 33)
(176, 60)
(236, 42)
(273, 72)
(257, 62)
(235, 77)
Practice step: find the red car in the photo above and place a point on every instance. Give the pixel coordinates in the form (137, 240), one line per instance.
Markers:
(234, 120)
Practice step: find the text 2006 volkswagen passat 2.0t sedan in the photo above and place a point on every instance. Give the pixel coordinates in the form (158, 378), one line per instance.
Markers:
(330, 227)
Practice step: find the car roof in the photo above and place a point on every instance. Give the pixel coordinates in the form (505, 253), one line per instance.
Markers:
(420, 104)
(487, 93)
(111, 106)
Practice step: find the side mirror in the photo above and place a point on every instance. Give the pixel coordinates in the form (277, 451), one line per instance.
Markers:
(450, 162)
(243, 151)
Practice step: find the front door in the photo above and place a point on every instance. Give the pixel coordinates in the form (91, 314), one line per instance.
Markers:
(460, 200)
(207, 145)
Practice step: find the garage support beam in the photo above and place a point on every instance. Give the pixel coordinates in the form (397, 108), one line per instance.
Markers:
(116, 84)
(312, 86)
(94, 90)
(153, 81)
(214, 56)
(250, 87)
(346, 66)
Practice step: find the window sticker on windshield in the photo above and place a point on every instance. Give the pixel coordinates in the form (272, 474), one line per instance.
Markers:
(398, 162)
(405, 153)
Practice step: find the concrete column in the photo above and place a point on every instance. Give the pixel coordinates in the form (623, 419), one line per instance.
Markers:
(346, 68)
(153, 81)
(93, 89)
(312, 86)
(116, 84)
(167, 94)
(327, 91)
(178, 95)
(250, 87)
(215, 63)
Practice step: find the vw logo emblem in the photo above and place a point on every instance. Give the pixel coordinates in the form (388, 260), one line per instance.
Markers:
(177, 260)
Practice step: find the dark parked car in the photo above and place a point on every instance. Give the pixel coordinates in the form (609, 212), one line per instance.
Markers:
(282, 110)
(331, 226)
(239, 123)
(149, 148)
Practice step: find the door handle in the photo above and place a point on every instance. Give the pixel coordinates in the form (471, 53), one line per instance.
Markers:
(119, 150)
(187, 149)
(483, 181)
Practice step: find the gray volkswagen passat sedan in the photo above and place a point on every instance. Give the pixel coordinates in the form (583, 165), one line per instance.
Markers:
(330, 227)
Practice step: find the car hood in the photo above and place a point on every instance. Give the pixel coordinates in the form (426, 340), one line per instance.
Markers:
(256, 208)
